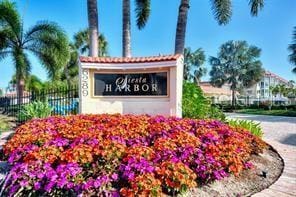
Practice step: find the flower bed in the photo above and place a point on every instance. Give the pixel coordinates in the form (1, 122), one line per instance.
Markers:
(124, 154)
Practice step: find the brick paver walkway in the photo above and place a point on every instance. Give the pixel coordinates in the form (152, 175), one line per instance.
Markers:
(280, 132)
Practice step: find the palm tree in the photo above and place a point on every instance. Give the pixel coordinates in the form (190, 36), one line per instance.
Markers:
(222, 10)
(282, 89)
(292, 49)
(70, 72)
(142, 15)
(32, 83)
(82, 43)
(237, 64)
(80, 47)
(46, 40)
(291, 83)
(92, 12)
(193, 61)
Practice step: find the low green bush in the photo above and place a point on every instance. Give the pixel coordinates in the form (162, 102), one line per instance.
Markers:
(196, 105)
(37, 109)
(250, 125)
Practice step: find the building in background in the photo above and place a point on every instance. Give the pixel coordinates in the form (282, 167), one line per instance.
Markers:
(261, 92)
(218, 95)
(258, 93)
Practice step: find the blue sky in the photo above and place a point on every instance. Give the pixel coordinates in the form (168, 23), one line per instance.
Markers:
(271, 30)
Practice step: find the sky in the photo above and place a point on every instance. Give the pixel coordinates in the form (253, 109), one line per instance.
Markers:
(271, 30)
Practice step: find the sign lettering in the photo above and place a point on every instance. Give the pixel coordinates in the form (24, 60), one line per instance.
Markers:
(131, 84)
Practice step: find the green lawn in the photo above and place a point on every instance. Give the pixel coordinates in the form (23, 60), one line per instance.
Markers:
(6, 123)
(268, 112)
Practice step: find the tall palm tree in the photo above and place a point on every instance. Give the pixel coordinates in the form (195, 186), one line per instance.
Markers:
(237, 64)
(193, 61)
(222, 10)
(142, 15)
(92, 12)
(292, 49)
(46, 40)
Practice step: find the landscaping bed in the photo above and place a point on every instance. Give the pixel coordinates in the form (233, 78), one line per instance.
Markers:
(135, 155)
(268, 167)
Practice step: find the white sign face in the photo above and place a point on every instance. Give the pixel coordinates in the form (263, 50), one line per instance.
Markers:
(143, 89)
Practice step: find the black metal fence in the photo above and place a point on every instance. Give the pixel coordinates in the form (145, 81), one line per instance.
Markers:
(62, 101)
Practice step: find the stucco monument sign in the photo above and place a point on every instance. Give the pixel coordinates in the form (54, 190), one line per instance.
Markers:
(140, 85)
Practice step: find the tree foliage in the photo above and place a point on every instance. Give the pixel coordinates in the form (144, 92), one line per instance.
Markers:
(46, 40)
(196, 105)
(142, 11)
(292, 49)
(284, 90)
(32, 83)
(222, 11)
(81, 43)
(237, 64)
(193, 64)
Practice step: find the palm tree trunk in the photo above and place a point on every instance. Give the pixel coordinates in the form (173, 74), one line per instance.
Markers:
(181, 27)
(233, 99)
(126, 29)
(92, 13)
(20, 90)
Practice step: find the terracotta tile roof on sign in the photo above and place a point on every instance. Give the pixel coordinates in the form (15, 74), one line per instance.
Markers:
(128, 59)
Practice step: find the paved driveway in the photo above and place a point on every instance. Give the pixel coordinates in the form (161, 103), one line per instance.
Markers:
(277, 128)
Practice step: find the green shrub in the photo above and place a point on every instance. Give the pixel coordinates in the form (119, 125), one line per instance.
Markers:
(37, 109)
(250, 125)
(195, 105)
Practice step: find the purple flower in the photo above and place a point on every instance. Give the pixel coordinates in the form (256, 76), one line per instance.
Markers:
(114, 176)
(37, 185)
(24, 183)
(59, 142)
(49, 186)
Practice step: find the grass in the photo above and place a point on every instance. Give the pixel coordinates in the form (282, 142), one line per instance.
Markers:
(6, 123)
(291, 113)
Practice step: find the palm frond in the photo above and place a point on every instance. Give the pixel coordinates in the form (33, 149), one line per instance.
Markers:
(40, 28)
(10, 18)
(292, 49)
(193, 64)
(4, 54)
(142, 12)
(22, 64)
(81, 39)
(256, 6)
(222, 10)
(48, 60)
(103, 45)
(50, 44)
(3, 39)
(81, 42)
